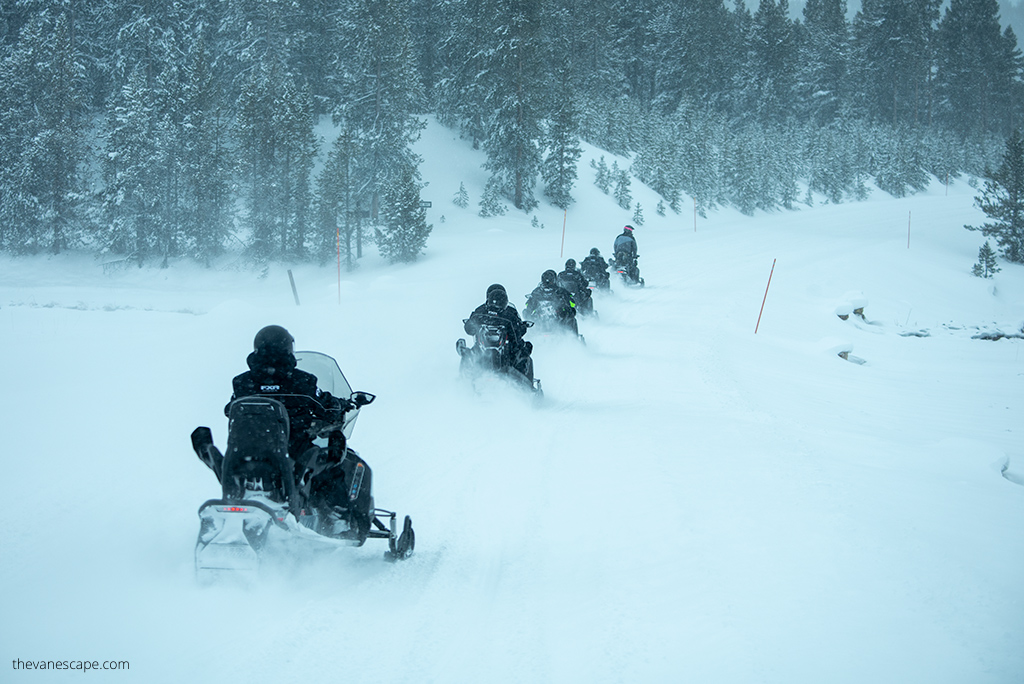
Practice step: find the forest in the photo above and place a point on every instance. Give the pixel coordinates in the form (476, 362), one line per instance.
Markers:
(145, 131)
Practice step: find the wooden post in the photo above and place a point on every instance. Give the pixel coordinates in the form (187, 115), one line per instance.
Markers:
(565, 216)
(295, 292)
(765, 297)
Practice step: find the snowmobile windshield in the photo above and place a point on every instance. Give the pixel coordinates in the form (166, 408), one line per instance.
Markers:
(329, 377)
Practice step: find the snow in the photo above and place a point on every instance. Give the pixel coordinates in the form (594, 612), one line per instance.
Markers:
(693, 502)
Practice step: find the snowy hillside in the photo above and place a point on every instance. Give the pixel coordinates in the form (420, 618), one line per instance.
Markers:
(693, 502)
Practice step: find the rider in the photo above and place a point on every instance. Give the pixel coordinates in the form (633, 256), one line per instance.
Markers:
(272, 371)
(548, 290)
(497, 304)
(625, 245)
(578, 286)
(595, 268)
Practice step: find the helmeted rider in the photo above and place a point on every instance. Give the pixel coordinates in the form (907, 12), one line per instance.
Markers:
(497, 304)
(578, 286)
(595, 268)
(626, 254)
(550, 291)
(273, 372)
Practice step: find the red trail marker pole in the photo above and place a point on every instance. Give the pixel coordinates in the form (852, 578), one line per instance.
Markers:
(765, 297)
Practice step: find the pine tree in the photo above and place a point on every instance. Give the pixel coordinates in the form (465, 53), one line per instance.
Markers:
(207, 215)
(461, 199)
(491, 203)
(822, 83)
(404, 232)
(376, 76)
(514, 126)
(561, 136)
(638, 215)
(603, 178)
(894, 41)
(975, 73)
(42, 135)
(986, 266)
(1002, 200)
(623, 197)
(132, 190)
(767, 82)
(336, 190)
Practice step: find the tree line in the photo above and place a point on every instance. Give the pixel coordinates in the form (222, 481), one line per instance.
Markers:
(146, 130)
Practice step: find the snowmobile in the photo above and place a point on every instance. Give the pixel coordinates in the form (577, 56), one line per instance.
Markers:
(625, 265)
(597, 279)
(582, 297)
(492, 353)
(544, 314)
(266, 508)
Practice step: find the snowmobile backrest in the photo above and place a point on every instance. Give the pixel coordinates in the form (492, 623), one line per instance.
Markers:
(257, 444)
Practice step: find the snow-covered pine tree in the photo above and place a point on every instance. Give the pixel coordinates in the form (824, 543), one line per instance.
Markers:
(42, 135)
(491, 203)
(638, 215)
(986, 266)
(461, 199)
(514, 124)
(131, 189)
(207, 209)
(822, 84)
(376, 76)
(561, 135)
(403, 232)
(975, 70)
(1002, 200)
(623, 196)
(602, 177)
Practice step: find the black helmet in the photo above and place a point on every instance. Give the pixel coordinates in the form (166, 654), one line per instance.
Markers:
(627, 229)
(548, 277)
(570, 265)
(497, 298)
(594, 251)
(274, 340)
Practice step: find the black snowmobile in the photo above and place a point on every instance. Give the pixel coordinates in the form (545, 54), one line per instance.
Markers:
(267, 502)
(543, 312)
(492, 353)
(625, 265)
(597, 279)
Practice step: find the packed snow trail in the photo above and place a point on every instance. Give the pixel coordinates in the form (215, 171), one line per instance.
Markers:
(691, 500)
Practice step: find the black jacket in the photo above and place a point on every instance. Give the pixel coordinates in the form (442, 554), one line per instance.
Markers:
(593, 267)
(576, 283)
(559, 296)
(508, 314)
(271, 376)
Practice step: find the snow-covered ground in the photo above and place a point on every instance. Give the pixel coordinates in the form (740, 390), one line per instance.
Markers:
(693, 502)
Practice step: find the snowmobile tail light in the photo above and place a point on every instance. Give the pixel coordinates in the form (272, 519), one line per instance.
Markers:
(233, 509)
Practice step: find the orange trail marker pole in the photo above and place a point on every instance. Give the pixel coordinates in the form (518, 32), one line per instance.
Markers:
(765, 297)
